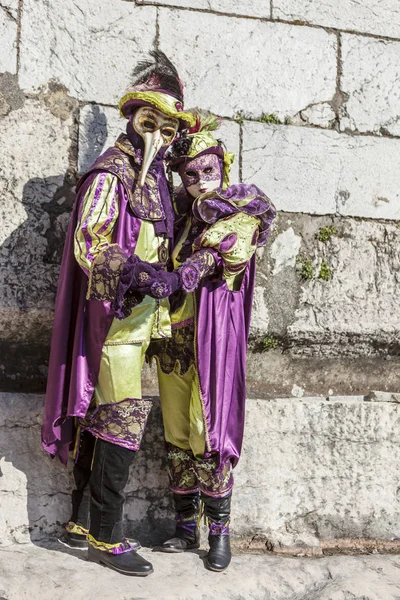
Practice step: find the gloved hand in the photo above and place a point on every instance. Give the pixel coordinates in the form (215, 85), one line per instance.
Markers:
(153, 281)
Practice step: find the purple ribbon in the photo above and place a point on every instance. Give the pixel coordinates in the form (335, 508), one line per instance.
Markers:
(187, 525)
(219, 529)
(124, 547)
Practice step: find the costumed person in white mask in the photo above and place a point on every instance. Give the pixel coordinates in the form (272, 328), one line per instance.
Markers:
(202, 368)
(123, 215)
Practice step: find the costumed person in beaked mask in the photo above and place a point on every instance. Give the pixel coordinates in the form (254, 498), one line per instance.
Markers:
(202, 368)
(123, 214)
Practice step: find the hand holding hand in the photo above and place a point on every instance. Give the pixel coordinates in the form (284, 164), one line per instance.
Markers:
(153, 281)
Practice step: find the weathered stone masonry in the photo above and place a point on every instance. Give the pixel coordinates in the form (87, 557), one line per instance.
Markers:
(310, 96)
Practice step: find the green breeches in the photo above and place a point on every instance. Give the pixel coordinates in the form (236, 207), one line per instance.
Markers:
(189, 471)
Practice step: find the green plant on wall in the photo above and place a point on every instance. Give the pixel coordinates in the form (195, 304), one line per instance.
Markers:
(304, 267)
(325, 272)
(325, 233)
(270, 118)
(240, 117)
(269, 343)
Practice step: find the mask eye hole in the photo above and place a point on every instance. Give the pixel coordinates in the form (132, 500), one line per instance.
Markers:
(149, 125)
(190, 173)
(168, 133)
(208, 170)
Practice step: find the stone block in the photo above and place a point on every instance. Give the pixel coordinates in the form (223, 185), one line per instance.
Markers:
(371, 16)
(8, 36)
(252, 8)
(229, 133)
(322, 172)
(352, 311)
(11, 7)
(250, 66)
(260, 314)
(34, 490)
(94, 55)
(34, 159)
(371, 85)
(251, 575)
(311, 472)
(321, 115)
(329, 287)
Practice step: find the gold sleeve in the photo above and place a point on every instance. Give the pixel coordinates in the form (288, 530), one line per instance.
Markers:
(97, 218)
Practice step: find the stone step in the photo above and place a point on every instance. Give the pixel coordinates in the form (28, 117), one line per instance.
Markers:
(315, 473)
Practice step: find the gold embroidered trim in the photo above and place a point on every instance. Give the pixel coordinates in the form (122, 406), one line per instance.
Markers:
(101, 545)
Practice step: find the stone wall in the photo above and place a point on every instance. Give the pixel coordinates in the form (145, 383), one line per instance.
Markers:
(309, 94)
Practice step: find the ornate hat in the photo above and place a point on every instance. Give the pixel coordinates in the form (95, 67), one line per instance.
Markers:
(156, 83)
(198, 141)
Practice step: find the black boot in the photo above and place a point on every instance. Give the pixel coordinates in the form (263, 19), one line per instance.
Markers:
(187, 532)
(218, 511)
(107, 544)
(78, 525)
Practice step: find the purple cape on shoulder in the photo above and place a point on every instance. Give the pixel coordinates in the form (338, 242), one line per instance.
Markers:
(222, 328)
(81, 326)
(79, 331)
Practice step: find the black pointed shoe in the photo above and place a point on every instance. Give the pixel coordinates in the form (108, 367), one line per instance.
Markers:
(124, 560)
(187, 532)
(218, 512)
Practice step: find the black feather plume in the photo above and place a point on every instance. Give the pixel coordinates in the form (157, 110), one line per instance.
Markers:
(158, 72)
(179, 148)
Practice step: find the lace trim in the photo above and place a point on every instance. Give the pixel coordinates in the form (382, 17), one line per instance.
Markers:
(181, 472)
(105, 273)
(122, 423)
(212, 482)
(175, 353)
(127, 296)
(145, 201)
(187, 474)
(201, 264)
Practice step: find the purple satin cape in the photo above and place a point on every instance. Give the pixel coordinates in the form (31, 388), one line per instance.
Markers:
(79, 331)
(222, 327)
(223, 321)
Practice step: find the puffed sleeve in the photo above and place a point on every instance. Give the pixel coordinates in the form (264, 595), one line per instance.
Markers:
(235, 240)
(99, 258)
(97, 217)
